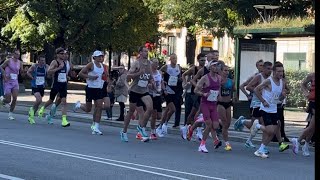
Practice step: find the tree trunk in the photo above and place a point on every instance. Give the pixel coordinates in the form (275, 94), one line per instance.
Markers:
(49, 51)
(191, 48)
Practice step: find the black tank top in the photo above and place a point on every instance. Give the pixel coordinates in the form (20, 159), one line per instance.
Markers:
(56, 75)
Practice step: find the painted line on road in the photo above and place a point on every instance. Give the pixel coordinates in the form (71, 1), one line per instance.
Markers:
(93, 160)
(9, 177)
(111, 161)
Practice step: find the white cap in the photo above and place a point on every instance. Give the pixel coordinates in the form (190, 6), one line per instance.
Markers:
(97, 53)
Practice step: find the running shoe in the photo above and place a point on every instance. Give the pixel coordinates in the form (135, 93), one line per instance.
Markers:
(123, 136)
(142, 131)
(153, 136)
(238, 126)
(96, 130)
(159, 132)
(260, 154)
(283, 147)
(31, 116)
(228, 147)
(217, 143)
(139, 136)
(184, 130)
(53, 110)
(49, 119)
(41, 111)
(254, 128)
(266, 151)
(202, 148)
(65, 123)
(190, 133)
(249, 144)
(10, 116)
(295, 145)
(305, 149)
(76, 106)
(164, 129)
(199, 133)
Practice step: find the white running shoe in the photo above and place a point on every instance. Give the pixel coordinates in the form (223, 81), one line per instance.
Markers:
(202, 148)
(199, 133)
(159, 132)
(254, 128)
(76, 106)
(164, 129)
(260, 154)
(10, 116)
(96, 130)
(295, 145)
(305, 149)
(184, 130)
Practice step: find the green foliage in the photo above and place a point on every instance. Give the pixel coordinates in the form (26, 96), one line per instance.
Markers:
(296, 97)
(81, 25)
(216, 16)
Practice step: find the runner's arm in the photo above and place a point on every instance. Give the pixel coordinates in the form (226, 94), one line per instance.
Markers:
(30, 70)
(259, 88)
(189, 72)
(196, 77)
(243, 85)
(252, 84)
(84, 71)
(3, 66)
(53, 67)
(199, 86)
(133, 71)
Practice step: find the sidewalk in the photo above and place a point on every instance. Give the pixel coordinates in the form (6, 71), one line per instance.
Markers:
(295, 121)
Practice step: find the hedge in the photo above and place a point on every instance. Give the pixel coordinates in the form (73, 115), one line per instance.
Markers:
(296, 97)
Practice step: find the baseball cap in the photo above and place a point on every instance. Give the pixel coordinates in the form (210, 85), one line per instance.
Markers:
(97, 53)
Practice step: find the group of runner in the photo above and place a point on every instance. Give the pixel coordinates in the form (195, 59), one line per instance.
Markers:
(208, 89)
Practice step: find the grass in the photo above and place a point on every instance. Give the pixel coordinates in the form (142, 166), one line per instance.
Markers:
(281, 22)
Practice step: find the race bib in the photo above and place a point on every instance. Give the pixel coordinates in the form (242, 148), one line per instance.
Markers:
(142, 83)
(62, 77)
(256, 103)
(39, 80)
(213, 96)
(275, 99)
(13, 76)
(173, 81)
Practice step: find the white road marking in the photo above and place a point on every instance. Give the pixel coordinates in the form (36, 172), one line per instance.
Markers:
(111, 161)
(9, 177)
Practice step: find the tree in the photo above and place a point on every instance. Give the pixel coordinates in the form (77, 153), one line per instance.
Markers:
(81, 25)
(215, 16)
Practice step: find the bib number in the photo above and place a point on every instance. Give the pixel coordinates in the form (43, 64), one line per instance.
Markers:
(13, 76)
(173, 81)
(213, 96)
(62, 77)
(142, 83)
(39, 81)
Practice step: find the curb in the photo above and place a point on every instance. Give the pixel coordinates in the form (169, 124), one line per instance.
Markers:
(82, 118)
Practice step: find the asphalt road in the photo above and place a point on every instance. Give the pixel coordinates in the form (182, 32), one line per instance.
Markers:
(43, 151)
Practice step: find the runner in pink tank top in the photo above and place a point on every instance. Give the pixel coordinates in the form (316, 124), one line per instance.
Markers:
(209, 89)
(11, 70)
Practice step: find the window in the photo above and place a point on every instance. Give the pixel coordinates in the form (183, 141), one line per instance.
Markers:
(294, 61)
(171, 44)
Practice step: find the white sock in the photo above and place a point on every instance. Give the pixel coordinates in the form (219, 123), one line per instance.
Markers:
(227, 142)
(153, 131)
(250, 138)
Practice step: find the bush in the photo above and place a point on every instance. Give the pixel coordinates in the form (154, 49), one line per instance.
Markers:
(296, 97)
